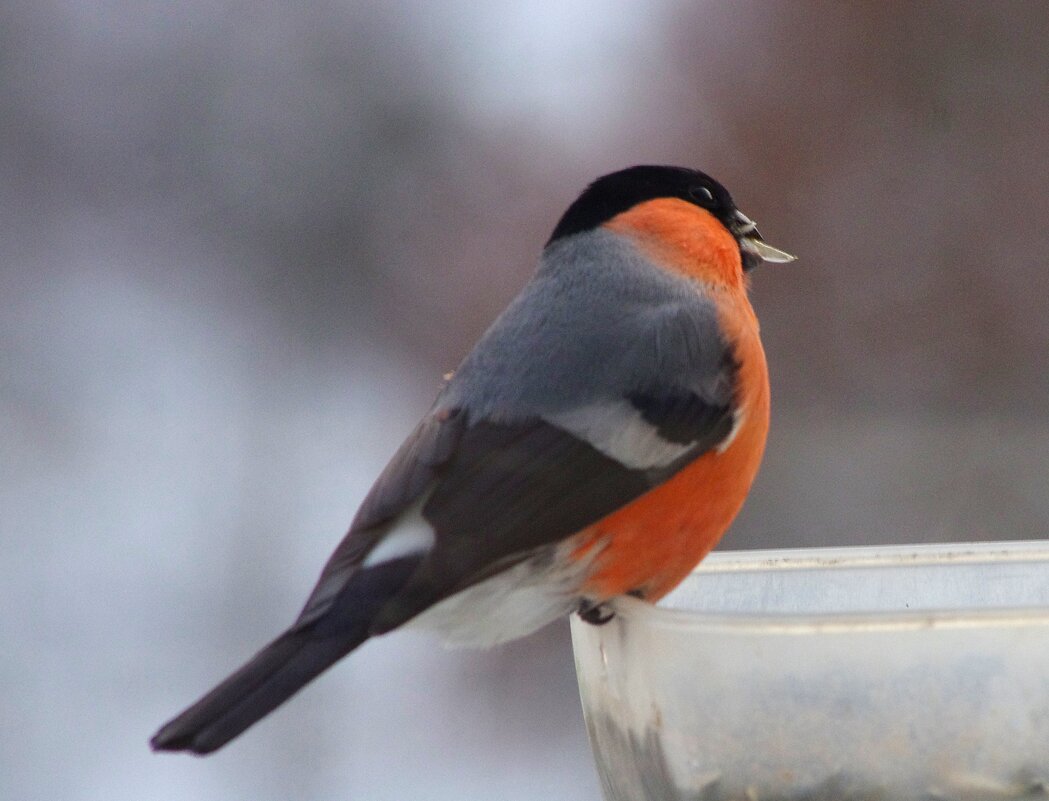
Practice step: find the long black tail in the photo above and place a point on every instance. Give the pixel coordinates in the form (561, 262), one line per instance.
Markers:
(276, 673)
(284, 666)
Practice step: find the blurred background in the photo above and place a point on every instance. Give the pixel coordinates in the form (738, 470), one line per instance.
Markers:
(241, 242)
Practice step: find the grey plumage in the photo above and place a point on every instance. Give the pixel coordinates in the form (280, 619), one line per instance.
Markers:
(601, 356)
(597, 324)
(597, 321)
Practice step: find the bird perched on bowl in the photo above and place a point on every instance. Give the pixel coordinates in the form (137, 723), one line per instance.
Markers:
(597, 441)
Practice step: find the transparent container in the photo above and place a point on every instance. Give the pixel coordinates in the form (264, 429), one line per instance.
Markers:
(896, 673)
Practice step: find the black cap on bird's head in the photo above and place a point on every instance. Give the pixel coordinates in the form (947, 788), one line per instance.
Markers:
(620, 191)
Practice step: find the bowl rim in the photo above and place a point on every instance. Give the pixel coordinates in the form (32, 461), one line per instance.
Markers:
(867, 556)
(875, 556)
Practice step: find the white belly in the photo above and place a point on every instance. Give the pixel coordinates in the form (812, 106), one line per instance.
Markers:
(509, 605)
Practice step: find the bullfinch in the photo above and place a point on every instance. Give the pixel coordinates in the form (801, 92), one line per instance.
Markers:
(597, 441)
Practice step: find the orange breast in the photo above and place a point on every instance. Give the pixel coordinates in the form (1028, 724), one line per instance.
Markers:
(650, 545)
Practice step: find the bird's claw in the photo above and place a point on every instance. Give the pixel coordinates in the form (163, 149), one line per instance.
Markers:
(596, 614)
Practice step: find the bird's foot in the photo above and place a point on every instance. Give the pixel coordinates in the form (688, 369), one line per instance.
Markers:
(596, 614)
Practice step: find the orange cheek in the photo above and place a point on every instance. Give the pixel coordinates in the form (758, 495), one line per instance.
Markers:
(684, 238)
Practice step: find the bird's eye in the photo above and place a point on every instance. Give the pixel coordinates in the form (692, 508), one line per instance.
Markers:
(702, 195)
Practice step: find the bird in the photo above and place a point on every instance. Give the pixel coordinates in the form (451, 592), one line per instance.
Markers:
(597, 441)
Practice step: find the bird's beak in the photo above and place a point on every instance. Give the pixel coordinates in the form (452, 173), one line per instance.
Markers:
(754, 249)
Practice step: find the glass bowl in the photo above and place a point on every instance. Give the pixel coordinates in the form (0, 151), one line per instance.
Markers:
(895, 673)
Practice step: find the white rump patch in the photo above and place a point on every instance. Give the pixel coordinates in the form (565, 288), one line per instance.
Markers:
(410, 535)
(619, 431)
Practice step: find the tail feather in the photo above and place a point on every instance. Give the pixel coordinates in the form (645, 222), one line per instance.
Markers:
(276, 673)
(286, 665)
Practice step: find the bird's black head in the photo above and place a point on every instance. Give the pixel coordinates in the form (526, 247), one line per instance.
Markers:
(620, 191)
